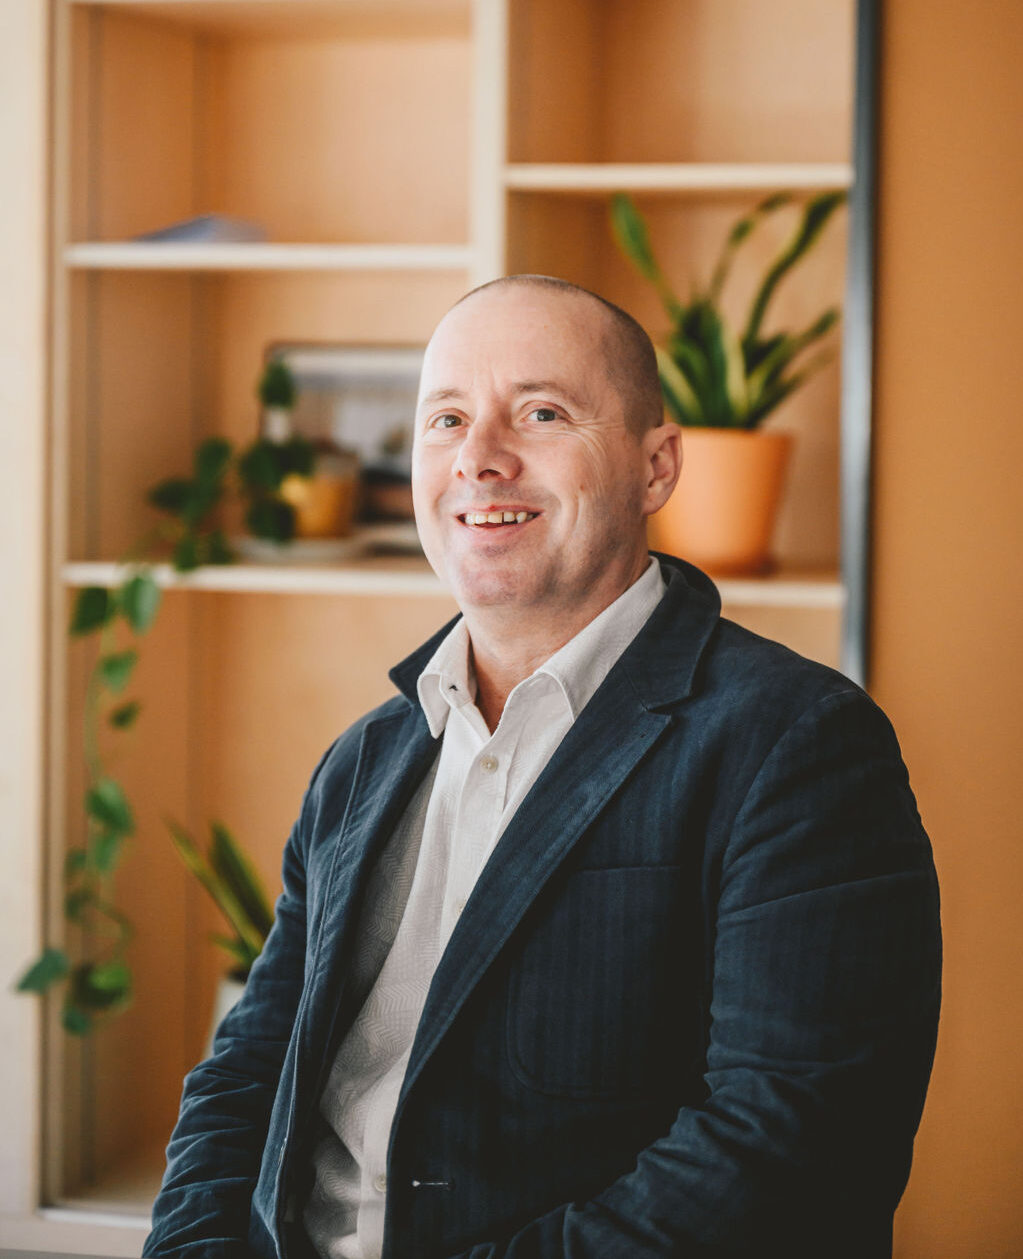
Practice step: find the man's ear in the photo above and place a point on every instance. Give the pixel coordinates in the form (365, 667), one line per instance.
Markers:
(662, 448)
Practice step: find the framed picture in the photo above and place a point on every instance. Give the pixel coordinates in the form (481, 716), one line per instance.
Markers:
(361, 398)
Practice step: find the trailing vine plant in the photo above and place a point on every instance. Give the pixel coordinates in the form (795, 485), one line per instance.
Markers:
(97, 980)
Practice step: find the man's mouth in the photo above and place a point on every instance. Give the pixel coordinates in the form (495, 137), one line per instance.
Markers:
(496, 519)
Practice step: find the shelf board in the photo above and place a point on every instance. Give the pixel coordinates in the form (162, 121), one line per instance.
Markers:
(588, 179)
(376, 575)
(409, 575)
(306, 19)
(268, 256)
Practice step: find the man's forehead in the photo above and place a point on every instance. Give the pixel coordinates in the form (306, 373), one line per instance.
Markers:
(522, 331)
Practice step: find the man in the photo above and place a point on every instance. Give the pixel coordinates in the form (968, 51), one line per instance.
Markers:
(615, 934)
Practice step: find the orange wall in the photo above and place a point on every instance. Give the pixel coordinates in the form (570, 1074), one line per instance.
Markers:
(948, 577)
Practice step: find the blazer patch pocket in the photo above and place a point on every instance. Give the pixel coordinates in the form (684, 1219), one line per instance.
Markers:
(599, 1004)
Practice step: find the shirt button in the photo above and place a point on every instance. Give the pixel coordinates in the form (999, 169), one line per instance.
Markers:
(488, 764)
(380, 1183)
(459, 905)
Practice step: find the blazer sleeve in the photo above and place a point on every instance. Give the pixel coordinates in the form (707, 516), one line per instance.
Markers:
(216, 1148)
(823, 1016)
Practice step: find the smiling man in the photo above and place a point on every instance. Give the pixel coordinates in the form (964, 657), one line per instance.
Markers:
(616, 932)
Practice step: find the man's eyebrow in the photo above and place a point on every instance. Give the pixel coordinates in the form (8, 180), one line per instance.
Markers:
(441, 395)
(550, 386)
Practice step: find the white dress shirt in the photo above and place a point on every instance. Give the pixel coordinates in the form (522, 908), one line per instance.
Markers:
(420, 887)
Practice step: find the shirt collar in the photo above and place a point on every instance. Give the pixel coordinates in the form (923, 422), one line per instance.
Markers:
(578, 668)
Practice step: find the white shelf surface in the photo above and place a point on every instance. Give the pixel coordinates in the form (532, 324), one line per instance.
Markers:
(264, 256)
(404, 575)
(676, 177)
(379, 575)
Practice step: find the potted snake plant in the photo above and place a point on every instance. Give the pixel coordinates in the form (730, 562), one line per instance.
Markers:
(720, 383)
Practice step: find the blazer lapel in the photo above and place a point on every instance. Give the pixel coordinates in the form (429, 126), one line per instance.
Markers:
(594, 759)
(394, 754)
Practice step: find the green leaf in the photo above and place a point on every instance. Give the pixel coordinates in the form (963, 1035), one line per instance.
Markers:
(93, 609)
(139, 600)
(678, 393)
(50, 968)
(260, 468)
(298, 456)
(100, 987)
(277, 385)
(125, 715)
(238, 873)
(212, 459)
(110, 977)
(76, 902)
(218, 549)
(186, 553)
(271, 518)
(116, 669)
(105, 851)
(783, 349)
(172, 495)
(75, 862)
(105, 803)
(737, 235)
(238, 951)
(630, 233)
(815, 216)
(75, 1021)
(223, 896)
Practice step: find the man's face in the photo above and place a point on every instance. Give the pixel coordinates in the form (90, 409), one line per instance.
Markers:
(518, 420)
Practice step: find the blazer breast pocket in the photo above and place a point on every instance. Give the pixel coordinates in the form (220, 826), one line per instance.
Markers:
(603, 1000)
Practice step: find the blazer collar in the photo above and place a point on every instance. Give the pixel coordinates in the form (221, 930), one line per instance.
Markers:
(662, 662)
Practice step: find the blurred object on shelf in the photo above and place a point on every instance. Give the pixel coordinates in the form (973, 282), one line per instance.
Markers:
(360, 399)
(325, 502)
(212, 229)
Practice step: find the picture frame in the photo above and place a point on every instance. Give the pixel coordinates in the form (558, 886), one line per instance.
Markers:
(360, 398)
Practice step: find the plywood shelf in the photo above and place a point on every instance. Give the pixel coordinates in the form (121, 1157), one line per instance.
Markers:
(407, 575)
(302, 19)
(675, 178)
(271, 256)
(376, 576)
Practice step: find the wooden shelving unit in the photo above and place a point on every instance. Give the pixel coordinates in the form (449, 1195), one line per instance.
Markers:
(396, 155)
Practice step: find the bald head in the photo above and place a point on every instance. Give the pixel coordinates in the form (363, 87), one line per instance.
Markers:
(629, 356)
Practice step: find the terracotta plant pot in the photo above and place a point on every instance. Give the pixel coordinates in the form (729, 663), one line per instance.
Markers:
(721, 514)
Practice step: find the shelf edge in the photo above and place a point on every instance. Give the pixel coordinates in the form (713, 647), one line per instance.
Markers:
(681, 177)
(199, 256)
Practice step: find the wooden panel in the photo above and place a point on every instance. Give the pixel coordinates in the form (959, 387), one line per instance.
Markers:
(140, 92)
(947, 626)
(555, 60)
(131, 403)
(697, 80)
(347, 140)
(727, 81)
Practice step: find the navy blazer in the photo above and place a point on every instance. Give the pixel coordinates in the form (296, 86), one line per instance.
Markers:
(689, 1009)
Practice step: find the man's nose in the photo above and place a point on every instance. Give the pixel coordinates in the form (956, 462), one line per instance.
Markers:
(487, 451)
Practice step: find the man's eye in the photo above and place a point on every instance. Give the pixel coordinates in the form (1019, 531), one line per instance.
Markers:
(447, 421)
(544, 414)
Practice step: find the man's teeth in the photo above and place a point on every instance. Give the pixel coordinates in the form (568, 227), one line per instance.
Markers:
(498, 517)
